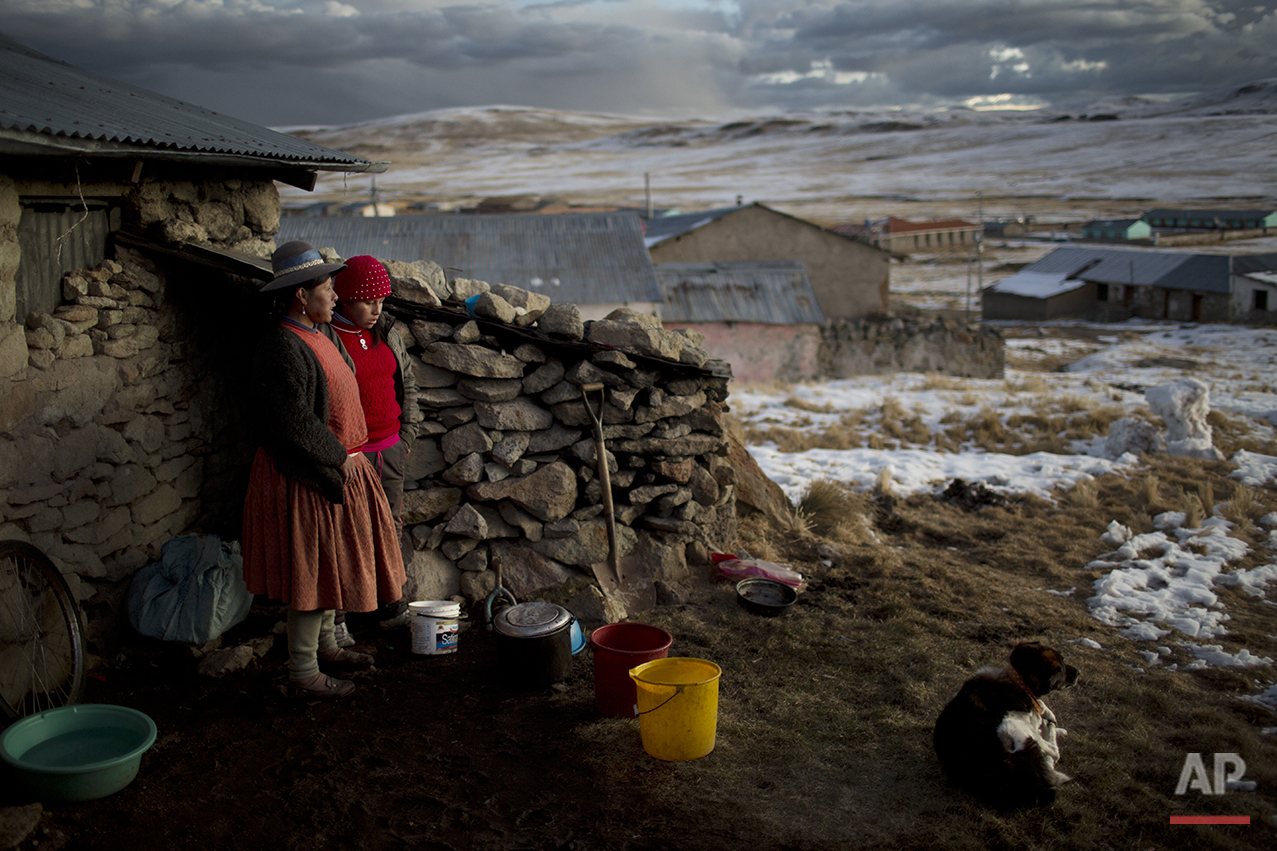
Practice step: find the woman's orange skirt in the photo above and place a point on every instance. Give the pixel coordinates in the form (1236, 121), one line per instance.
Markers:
(309, 553)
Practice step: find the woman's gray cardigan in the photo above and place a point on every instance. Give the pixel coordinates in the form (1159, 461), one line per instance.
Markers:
(290, 392)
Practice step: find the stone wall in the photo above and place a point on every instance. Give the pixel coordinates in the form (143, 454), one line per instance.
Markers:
(873, 345)
(505, 468)
(882, 345)
(114, 413)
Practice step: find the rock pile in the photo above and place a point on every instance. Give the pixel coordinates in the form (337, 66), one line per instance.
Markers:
(507, 486)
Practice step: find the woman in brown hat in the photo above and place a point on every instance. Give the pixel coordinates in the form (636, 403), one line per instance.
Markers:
(318, 533)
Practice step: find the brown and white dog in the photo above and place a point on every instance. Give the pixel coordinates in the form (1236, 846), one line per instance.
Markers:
(997, 739)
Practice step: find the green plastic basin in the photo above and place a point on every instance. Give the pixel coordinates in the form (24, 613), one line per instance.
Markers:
(76, 753)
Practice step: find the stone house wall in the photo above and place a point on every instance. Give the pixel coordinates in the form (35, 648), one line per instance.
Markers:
(116, 426)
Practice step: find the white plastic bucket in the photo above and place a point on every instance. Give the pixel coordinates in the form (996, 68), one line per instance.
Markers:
(434, 626)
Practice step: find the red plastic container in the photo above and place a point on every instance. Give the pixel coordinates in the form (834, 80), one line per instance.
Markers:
(618, 647)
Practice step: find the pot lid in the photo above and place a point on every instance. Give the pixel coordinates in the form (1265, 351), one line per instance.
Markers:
(527, 620)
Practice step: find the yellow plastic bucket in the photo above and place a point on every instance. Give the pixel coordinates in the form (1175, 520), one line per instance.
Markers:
(677, 707)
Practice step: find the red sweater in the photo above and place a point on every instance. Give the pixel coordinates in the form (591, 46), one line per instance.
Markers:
(375, 369)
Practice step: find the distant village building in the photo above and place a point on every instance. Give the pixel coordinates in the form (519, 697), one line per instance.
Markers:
(595, 260)
(1112, 285)
(1116, 230)
(761, 317)
(1211, 219)
(850, 278)
(901, 236)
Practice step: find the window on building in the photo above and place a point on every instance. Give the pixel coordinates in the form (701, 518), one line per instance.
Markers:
(57, 236)
(1261, 299)
(1101, 292)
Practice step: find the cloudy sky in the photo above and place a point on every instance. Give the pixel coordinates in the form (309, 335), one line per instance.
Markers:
(306, 62)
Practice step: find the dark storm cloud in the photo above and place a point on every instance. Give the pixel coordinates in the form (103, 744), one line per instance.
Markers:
(939, 49)
(334, 61)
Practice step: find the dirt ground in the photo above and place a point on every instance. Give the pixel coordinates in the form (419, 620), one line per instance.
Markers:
(824, 720)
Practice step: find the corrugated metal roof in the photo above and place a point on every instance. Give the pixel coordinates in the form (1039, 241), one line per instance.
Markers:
(52, 104)
(659, 229)
(775, 292)
(1201, 272)
(1036, 284)
(898, 226)
(1208, 215)
(1246, 264)
(1111, 223)
(667, 227)
(582, 258)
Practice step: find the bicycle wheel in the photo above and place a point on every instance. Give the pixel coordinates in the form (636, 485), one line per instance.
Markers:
(42, 654)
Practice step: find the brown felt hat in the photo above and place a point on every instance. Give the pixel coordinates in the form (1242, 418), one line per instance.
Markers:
(298, 262)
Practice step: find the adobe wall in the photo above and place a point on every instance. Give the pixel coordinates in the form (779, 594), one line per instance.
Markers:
(761, 353)
(850, 278)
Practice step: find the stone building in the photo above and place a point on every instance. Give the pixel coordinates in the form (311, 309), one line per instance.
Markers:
(122, 214)
(504, 478)
(130, 258)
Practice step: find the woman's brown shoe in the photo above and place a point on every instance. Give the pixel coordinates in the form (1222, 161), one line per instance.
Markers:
(320, 687)
(342, 659)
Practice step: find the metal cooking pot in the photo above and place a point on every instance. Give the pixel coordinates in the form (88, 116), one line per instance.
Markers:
(536, 642)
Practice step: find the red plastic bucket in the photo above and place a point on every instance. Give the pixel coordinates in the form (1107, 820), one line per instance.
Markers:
(618, 647)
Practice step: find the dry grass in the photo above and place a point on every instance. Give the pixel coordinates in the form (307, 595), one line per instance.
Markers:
(1034, 385)
(1051, 424)
(802, 404)
(1085, 494)
(1232, 433)
(834, 510)
(825, 714)
(934, 381)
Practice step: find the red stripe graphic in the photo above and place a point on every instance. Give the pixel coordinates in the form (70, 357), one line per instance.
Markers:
(1210, 819)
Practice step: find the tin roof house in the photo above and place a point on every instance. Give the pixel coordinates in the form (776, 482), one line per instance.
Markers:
(594, 260)
(850, 278)
(761, 317)
(902, 236)
(1116, 230)
(1115, 284)
(1206, 219)
(132, 226)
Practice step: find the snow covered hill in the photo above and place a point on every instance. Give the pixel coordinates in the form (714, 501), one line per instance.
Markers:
(1078, 160)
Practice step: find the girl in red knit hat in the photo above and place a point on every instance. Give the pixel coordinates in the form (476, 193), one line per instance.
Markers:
(386, 390)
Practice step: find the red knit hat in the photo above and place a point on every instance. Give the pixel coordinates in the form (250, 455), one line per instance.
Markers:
(363, 279)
